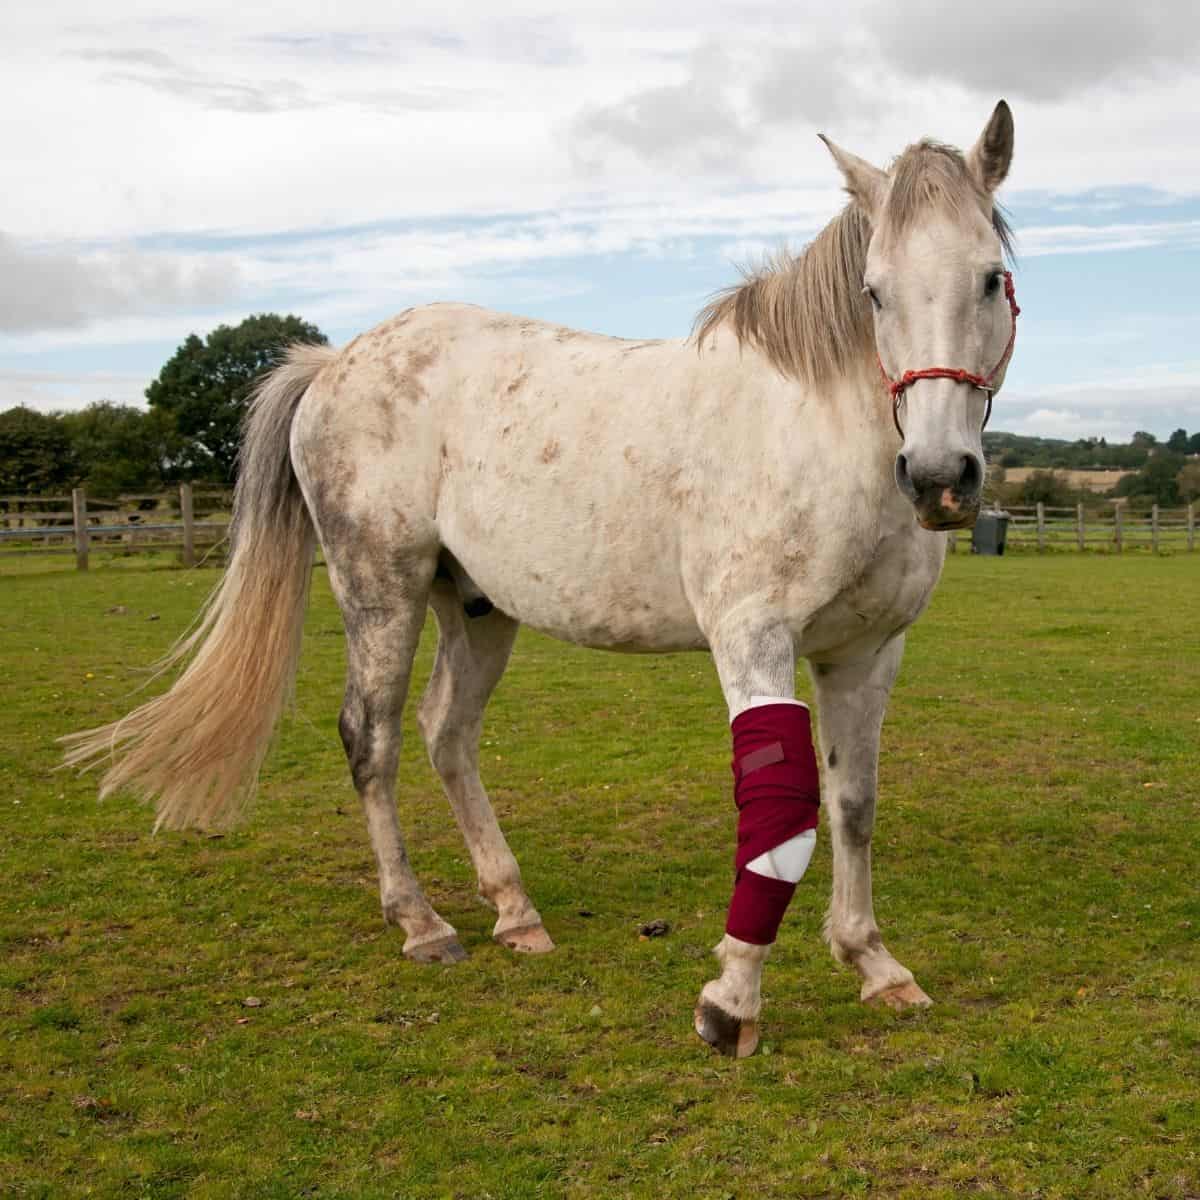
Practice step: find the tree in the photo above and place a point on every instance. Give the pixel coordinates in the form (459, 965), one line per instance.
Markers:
(1188, 482)
(118, 448)
(35, 453)
(204, 386)
(1045, 487)
(1194, 444)
(1143, 439)
(1157, 481)
(1177, 443)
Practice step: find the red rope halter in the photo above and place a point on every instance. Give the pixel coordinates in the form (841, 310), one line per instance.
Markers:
(897, 387)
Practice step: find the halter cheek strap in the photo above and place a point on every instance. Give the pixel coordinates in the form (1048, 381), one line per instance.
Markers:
(897, 387)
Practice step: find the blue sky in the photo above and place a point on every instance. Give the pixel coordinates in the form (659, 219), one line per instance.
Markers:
(599, 165)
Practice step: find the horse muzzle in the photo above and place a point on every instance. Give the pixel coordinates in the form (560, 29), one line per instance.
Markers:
(945, 494)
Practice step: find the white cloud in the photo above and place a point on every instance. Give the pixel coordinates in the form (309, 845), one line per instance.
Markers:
(49, 391)
(1038, 50)
(693, 122)
(269, 116)
(65, 289)
(1115, 411)
(1091, 239)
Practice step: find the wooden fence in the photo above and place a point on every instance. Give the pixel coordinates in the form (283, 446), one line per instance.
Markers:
(1116, 528)
(44, 525)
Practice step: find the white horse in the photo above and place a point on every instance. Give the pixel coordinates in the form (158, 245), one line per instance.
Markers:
(743, 492)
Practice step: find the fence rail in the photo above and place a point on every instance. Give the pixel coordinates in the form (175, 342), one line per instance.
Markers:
(1044, 527)
(34, 525)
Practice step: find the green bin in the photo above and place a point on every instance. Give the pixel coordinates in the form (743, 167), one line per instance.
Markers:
(988, 536)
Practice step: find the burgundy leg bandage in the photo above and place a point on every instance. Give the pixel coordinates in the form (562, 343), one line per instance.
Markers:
(778, 794)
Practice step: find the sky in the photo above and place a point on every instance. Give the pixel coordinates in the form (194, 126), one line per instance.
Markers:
(601, 164)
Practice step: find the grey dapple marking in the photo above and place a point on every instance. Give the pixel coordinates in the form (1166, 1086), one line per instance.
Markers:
(737, 494)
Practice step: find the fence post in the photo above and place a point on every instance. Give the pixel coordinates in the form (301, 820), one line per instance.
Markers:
(1041, 526)
(1191, 532)
(1118, 532)
(1154, 527)
(79, 515)
(189, 531)
(1079, 531)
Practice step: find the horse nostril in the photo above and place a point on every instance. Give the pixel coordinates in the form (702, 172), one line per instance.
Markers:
(903, 478)
(970, 478)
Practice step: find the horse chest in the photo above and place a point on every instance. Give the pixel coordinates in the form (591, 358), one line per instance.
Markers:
(880, 601)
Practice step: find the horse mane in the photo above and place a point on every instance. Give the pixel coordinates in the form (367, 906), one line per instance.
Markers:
(805, 311)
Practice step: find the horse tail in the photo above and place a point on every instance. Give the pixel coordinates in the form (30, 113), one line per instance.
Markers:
(195, 751)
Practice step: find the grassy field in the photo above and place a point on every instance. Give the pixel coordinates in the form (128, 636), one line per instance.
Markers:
(1036, 866)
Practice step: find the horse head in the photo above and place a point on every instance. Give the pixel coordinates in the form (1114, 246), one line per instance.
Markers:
(944, 309)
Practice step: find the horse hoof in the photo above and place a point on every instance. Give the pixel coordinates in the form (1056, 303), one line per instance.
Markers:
(899, 997)
(726, 1034)
(526, 939)
(441, 950)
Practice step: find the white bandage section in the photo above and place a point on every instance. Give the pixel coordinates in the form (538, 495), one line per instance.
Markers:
(790, 860)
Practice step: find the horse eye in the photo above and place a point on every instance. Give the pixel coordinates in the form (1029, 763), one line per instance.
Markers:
(992, 286)
(868, 290)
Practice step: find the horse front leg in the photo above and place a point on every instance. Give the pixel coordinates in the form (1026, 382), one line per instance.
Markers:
(776, 792)
(851, 701)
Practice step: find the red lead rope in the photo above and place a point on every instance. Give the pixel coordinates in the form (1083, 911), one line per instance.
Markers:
(897, 387)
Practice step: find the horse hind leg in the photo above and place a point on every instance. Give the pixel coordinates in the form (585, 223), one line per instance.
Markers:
(471, 657)
(381, 641)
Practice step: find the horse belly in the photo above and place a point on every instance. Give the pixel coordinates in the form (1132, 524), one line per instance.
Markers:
(586, 563)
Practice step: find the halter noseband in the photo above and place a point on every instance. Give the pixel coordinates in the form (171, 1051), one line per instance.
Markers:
(897, 387)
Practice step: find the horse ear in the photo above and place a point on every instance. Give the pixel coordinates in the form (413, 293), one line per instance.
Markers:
(865, 183)
(990, 157)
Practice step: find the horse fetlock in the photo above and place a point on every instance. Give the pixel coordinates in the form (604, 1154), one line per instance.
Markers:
(854, 944)
(414, 916)
(512, 913)
(507, 896)
(738, 989)
(884, 980)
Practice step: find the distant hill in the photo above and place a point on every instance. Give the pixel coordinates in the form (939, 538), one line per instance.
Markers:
(1019, 450)
(1028, 470)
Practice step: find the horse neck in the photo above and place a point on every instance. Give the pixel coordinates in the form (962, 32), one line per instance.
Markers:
(861, 420)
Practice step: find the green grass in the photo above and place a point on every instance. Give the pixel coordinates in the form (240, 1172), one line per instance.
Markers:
(1035, 866)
